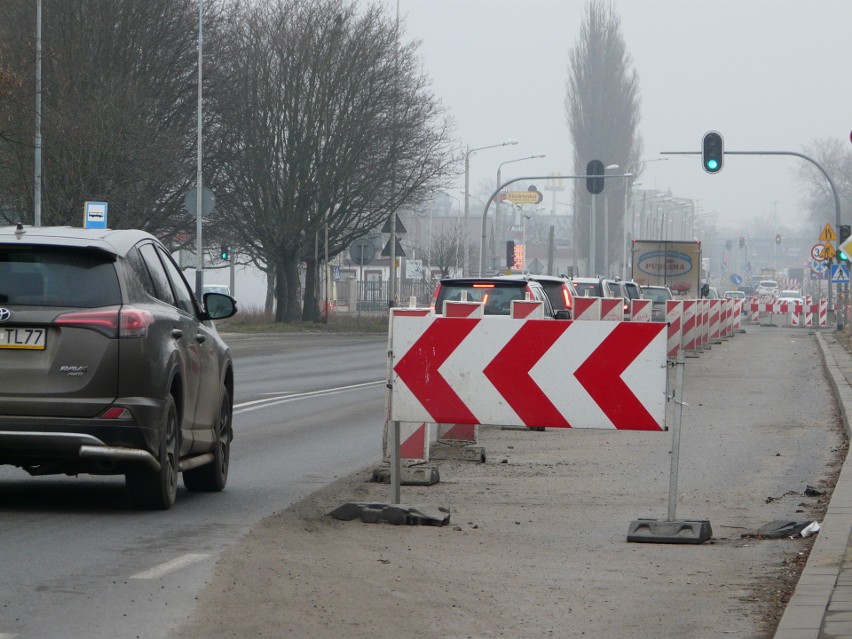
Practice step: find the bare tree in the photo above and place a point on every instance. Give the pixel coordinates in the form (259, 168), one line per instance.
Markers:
(602, 107)
(329, 125)
(836, 158)
(118, 108)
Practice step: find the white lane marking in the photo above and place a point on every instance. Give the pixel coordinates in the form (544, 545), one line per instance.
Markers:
(170, 566)
(245, 407)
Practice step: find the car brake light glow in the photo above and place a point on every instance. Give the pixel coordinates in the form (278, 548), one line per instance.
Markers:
(483, 286)
(567, 297)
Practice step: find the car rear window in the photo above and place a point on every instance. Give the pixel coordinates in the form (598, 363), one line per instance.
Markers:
(587, 289)
(554, 293)
(656, 294)
(496, 297)
(36, 276)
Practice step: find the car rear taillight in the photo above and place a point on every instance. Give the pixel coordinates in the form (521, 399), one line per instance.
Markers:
(566, 296)
(112, 322)
(135, 322)
(116, 412)
(435, 296)
(483, 286)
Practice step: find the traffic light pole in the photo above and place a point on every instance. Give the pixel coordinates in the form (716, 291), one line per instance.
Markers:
(500, 187)
(827, 177)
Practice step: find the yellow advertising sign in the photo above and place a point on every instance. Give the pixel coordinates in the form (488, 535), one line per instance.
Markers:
(524, 197)
(828, 234)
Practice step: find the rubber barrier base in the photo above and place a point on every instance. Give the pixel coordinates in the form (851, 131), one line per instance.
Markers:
(662, 531)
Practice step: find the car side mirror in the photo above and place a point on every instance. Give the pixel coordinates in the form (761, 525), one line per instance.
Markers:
(219, 305)
(563, 315)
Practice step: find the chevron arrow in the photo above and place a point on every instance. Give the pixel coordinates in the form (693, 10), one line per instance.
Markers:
(419, 369)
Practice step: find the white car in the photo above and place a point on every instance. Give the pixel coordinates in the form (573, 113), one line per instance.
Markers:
(767, 288)
(737, 295)
(791, 296)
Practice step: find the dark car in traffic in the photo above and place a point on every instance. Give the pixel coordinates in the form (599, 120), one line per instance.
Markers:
(495, 293)
(109, 365)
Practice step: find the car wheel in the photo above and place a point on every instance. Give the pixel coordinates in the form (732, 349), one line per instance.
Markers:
(157, 490)
(212, 477)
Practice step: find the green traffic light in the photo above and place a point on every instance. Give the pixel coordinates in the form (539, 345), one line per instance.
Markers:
(712, 165)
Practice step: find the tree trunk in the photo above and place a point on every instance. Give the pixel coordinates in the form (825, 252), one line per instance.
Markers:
(270, 291)
(287, 303)
(311, 312)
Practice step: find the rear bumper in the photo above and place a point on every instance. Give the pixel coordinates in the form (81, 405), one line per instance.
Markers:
(80, 445)
(26, 445)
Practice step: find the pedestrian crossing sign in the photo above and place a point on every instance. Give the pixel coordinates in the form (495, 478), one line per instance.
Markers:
(839, 273)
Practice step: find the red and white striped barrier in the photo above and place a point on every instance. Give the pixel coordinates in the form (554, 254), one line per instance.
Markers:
(413, 442)
(823, 312)
(714, 320)
(690, 327)
(612, 309)
(453, 308)
(738, 311)
(587, 308)
(458, 434)
(674, 317)
(640, 310)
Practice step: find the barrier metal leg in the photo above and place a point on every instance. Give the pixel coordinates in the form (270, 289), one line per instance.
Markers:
(672, 531)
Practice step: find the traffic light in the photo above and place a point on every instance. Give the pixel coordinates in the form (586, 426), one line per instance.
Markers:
(742, 241)
(594, 184)
(510, 254)
(843, 233)
(778, 238)
(224, 253)
(712, 152)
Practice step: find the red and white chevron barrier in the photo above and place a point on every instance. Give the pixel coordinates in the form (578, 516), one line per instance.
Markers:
(534, 373)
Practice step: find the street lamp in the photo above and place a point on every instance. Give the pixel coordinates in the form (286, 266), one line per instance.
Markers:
(467, 188)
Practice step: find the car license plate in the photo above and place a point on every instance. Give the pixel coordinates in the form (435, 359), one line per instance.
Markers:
(21, 337)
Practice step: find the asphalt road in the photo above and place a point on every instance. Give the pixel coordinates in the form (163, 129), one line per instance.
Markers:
(76, 560)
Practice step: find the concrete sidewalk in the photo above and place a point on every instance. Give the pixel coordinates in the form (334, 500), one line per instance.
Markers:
(821, 605)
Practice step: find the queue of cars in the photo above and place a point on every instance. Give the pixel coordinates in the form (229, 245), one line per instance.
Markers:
(556, 292)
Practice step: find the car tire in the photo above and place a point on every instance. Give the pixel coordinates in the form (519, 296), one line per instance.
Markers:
(157, 490)
(212, 477)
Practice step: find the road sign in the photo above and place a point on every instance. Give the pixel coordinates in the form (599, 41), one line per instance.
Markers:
(95, 215)
(531, 373)
(818, 266)
(400, 228)
(839, 273)
(362, 251)
(398, 250)
(828, 234)
(846, 246)
(736, 279)
(524, 197)
(828, 252)
(208, 201)
(816, 251)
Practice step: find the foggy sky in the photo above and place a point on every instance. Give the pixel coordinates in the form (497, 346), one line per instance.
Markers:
(768, 74)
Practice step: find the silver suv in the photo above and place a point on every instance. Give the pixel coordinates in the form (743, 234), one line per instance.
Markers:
(109, 365)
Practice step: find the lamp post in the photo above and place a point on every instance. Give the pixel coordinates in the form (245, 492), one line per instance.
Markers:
(37, 173)
(467, 155)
